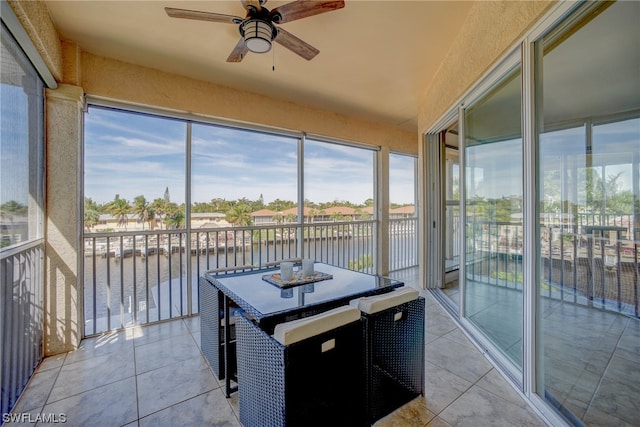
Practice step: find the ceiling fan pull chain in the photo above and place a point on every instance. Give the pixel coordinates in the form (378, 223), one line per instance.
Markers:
(273, 67)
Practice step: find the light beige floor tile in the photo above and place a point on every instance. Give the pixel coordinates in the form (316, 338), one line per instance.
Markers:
(459, 359)
(478, 407)
(430, 337)
(171, 384)
(165, 352)
(458, 336)
(596, 418)
(111, 405)
(414, 413)
(495, 383)
(438, 422)
(618, 392)
(208, 409)
(93, 372)
(111, 343)
(23, 418)
(192, 323)
(37, 391)
(438, 324)
(233, 401)
(442, 387)
(52, 362)
(148, 334)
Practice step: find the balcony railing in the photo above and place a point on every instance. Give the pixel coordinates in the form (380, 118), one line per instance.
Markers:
(403, 243)
(142, 277)
(599, 266)
(21, 318)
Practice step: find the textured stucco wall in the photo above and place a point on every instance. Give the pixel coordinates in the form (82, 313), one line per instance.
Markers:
(62, 330)
(34, 17)
(109, 78)
(71, 63)
(63, 226)
(490, 30)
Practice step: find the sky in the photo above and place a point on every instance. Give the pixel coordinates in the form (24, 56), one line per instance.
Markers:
(133, 154)
(497, 166)
(15, 179)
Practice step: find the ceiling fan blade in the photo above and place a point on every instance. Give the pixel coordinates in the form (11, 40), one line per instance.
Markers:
(238, 52)
(202, 16)
(249, 4)
(296, 45)
(302, 9)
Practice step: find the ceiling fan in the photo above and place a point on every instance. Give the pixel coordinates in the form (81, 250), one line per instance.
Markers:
(258, 29)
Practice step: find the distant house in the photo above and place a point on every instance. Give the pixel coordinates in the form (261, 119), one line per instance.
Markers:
(14, 229)
(208, 220)
(335, 213)
(306, 212)
(368, 210)
(402, 212)
(109, 222)
(263, 216)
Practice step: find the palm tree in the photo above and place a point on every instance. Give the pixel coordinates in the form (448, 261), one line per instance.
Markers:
(240, 215)
(14, 208)
(312, 214)
(336, 216)
(160, 208)
(174, 220)
(120, 208)
(91, 219)
(173, 215)
(291, 217)
(143, 209)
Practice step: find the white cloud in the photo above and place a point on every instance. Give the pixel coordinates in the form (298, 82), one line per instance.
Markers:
(129, 155)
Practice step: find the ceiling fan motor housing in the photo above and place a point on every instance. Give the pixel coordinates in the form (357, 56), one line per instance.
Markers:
(258, 29)
(258, 34)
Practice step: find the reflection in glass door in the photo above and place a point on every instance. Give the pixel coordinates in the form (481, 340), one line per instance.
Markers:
(493, 299)
(451, 190)
(587, 320)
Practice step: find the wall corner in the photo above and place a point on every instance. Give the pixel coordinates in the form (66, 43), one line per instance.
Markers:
(63, 281)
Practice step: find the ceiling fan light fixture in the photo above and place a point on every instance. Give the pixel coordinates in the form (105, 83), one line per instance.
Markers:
(257, 35)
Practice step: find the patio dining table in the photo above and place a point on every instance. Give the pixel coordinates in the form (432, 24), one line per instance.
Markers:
(260, 295)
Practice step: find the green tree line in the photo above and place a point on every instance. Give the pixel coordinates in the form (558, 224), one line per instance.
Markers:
(170, 215)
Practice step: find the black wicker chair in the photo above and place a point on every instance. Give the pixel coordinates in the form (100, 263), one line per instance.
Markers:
(393, 325)
(309, 373)
(211, 329)
(212, 332)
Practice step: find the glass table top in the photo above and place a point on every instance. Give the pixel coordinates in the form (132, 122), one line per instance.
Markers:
(254, 294)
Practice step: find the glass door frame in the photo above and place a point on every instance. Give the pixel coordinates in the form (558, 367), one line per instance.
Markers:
(522, 54)
(511, 62)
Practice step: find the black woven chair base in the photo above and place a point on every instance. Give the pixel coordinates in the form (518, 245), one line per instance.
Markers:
(394, 357)
(210, 330)
(299, 385)
(390, 394)
(212, 333)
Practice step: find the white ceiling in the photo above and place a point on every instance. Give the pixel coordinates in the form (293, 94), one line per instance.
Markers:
(376, 57)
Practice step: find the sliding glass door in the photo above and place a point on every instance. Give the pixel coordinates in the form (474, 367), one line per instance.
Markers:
(493, 217)
(588, 340)
(550, 214)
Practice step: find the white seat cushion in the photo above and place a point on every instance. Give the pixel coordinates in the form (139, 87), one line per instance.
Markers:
(297, 330)
(376, 303)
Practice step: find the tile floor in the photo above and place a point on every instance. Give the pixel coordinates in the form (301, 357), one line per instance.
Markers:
(157, 376)
(591, 356)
